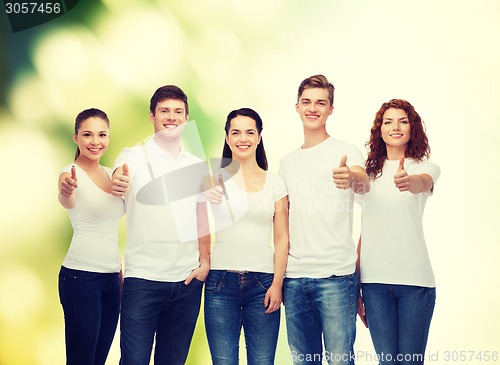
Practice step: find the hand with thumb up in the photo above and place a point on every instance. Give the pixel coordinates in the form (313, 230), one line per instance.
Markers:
(121, 181)
(216, 193)
(401, 178)
(68, 183)
(342, 175)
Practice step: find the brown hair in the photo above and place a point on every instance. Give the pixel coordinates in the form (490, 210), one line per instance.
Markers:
(418, 145)
(317, 82)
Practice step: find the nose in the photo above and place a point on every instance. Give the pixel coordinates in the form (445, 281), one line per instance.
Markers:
(94, 140)
(312, 107)
(396, 126)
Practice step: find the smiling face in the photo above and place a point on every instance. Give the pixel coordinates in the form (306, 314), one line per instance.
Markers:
(395, 129)
(169, 118)
(243, 138)
(314, 108)
(92, 138)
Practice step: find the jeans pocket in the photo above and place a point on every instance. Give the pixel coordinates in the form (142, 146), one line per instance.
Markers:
(266, 280)
(196, 282)
(213, 282)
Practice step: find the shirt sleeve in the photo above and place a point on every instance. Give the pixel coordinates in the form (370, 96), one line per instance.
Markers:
(123, 157)
(355, 157)
(429, 168)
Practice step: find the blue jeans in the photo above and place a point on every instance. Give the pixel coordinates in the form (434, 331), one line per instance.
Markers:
(399, 317)
(167, 309)
(321, 309)
(233, 301)
(91, 305)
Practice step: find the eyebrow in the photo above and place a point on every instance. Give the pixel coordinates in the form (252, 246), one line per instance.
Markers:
(238, 130)
(166, 108)
(393, 118)
(317, 100)
(85, 131)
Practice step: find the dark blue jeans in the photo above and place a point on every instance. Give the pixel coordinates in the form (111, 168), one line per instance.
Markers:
(233, 301)
(167, 309)
(91, 305)
(399, 317)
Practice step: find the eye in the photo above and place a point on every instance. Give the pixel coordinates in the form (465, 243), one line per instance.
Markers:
(86, 134)
(103, 135)
(322, 104)
(404, 122)
(387, 122)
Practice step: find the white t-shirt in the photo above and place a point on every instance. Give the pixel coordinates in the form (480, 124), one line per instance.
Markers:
(244, 227)
(321, 243)
(162, 237)
(393, 248)
(95, 217)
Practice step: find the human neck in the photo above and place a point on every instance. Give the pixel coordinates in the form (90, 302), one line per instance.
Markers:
(395, 153)
(87, 164)
(247, 166)
(173, 147)
(314, 137)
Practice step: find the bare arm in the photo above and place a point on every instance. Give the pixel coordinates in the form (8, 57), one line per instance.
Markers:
(361, 306)
(67, 185)
(354, 177)
(201, 272)
(415, 184)
(360, 180)
(274, 295)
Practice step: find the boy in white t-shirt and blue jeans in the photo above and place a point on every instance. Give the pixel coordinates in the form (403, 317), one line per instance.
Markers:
(167, 256)
(321, 286)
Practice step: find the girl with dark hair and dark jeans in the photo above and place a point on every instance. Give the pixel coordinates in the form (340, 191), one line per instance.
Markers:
(89, 279)
(398, 288)
(244, 286)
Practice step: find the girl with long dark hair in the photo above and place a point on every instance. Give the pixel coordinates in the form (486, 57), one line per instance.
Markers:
(247, 265)
(89, 279)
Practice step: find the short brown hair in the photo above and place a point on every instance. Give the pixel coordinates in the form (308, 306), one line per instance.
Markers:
(317, 82)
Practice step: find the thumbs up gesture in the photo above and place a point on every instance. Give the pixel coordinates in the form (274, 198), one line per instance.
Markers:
(68, 184)
(401, 178)
(342, 175)
(121, 181)
(216, 193)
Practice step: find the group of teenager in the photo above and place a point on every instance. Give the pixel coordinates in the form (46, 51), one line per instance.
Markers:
(253, 239)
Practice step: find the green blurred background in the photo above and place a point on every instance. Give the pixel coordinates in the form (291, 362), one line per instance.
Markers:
(112, 54)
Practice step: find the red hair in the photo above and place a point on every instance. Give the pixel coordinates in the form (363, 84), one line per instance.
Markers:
(418, 145)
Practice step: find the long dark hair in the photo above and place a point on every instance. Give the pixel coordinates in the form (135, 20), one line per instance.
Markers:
(260, 153)
(83, 116)
(418, 145)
